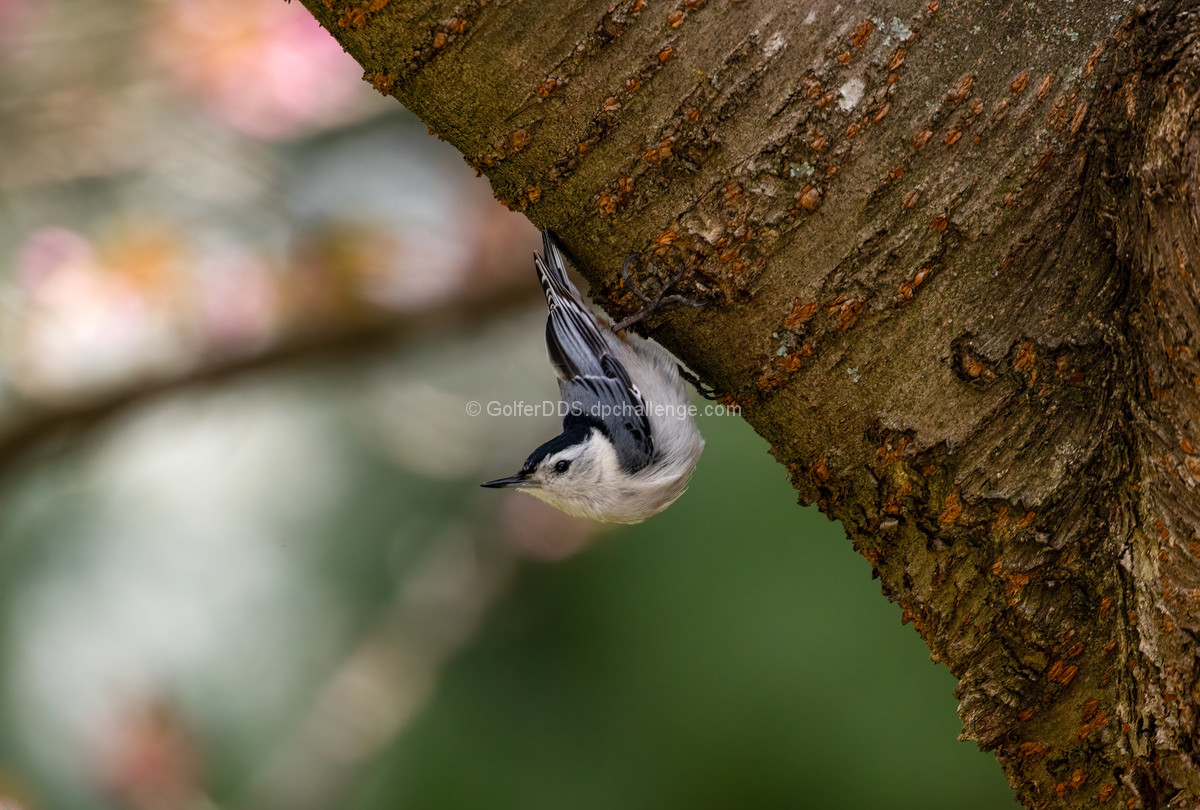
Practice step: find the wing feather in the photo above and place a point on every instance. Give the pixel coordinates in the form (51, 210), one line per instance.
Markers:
(592, 380)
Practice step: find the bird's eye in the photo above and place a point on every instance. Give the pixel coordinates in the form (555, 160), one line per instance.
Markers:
(562, 466)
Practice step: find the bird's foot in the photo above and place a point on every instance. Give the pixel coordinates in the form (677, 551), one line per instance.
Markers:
(651, 304)
(702, 388)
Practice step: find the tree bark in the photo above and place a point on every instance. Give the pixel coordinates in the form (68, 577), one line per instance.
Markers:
(950, 253)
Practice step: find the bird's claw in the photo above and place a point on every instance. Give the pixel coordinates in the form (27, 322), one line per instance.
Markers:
(651, 304)
(627, 280)
(702, 388)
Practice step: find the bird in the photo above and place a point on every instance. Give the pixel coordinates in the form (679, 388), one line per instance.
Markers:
(629, 440)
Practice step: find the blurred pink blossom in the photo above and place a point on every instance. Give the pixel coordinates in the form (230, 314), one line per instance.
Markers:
(15, 18)
(262, 67)
(85, 323)
(48, 250)
(238, 303)
(153, 762)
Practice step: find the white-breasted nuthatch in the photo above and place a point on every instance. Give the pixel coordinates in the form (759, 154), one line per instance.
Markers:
(629, 442)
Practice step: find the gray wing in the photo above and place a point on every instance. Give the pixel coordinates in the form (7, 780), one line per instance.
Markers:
(591, 379)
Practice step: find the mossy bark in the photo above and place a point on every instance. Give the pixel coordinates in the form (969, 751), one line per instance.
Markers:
(950, 253)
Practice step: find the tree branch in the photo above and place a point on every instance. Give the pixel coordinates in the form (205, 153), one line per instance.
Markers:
(332, 341)
(949, 258)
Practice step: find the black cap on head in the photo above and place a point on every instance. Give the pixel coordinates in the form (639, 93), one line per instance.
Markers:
(574, 432)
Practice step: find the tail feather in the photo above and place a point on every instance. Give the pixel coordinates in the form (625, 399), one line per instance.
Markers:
(552, 274)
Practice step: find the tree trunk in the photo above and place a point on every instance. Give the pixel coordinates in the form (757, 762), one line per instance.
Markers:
(950, 252)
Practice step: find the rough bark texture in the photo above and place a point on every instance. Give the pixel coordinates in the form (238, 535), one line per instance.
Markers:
(950, 251)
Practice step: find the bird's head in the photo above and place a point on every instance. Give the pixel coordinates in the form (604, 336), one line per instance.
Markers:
(577, 472)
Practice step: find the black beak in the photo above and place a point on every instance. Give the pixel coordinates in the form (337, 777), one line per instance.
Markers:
(518, 480)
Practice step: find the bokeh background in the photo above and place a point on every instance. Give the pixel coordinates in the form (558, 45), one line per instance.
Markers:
(244, 560)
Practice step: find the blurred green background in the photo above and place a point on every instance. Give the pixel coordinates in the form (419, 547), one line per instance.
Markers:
(733, 652)
(244, 558)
